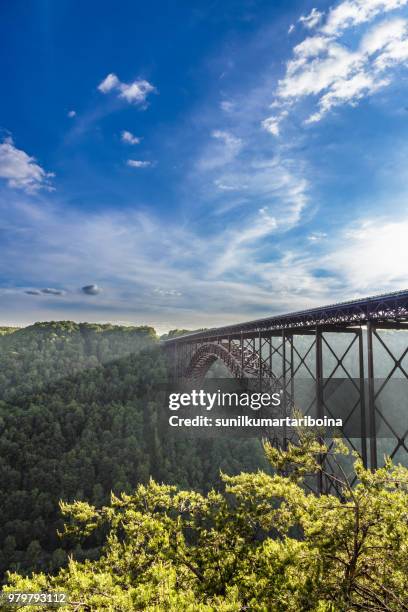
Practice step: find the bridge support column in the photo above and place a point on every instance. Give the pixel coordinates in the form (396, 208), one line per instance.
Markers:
(284, 390)
(319, 396)
(242, 354)
(371, 397)
(292, 372)
(175, 363)
(363, 433)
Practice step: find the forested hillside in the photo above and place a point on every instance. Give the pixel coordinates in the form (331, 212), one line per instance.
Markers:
(262, 543)
(80, 411)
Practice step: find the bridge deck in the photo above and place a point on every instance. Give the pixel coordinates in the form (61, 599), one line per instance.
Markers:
(390, 308)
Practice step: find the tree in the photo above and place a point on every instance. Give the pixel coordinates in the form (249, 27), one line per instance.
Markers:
(34, 552)
(262, 543)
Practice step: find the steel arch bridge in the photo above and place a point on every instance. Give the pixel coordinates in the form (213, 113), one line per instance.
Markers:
(349, 340)
(240, 362)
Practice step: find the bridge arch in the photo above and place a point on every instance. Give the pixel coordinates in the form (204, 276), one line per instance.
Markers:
(206, 355)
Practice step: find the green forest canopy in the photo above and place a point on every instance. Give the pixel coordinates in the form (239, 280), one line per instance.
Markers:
(262, 543)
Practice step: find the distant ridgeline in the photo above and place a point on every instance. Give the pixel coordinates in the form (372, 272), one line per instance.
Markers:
(79, 418)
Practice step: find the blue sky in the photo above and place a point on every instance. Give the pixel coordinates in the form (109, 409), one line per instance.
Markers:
(199, 163)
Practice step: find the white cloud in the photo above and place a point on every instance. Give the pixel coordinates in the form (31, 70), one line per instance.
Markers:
(135, 92)
(291, 28)
(240, 242)
(271, 125)
(335, 74)
(317, 74)
(310, 47)
(71, 114)
(347, 91)
(110, 82)
(383, 35)
(167, 292)
(392, 41)
(232, 186)
(227, 106)
(317, 236)
(311, 20)
(222, 150)
(129, 138)
(137, 163)
(355, 12)
(236, 169)
(231, 142)
(21, 171)
(277, 185)
(263, 224)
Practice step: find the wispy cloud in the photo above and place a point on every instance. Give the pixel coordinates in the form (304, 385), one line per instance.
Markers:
(242, 242)
(167, 292)
(227, 106)
(238, 176)
(223, 149)
(65, 247)
(272, 124)
(317, 236)
(137, 163)
(135, 92)
(276, 184)
(213, 279)
(21, 171)
(311, 20)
